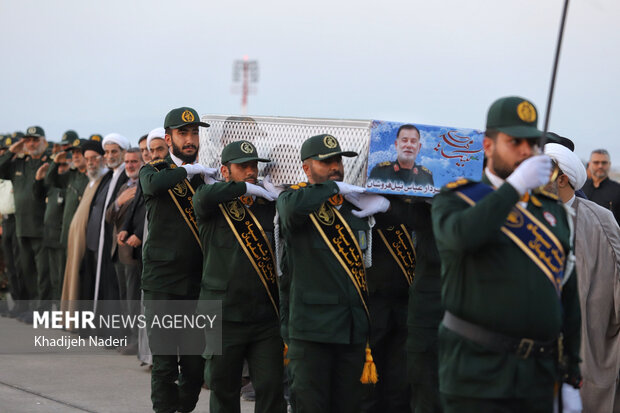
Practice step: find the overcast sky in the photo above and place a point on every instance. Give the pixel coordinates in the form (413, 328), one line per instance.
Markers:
(119, 66)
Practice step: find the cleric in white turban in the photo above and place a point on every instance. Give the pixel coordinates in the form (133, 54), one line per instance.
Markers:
(597, 252)
(118, 139)
(569, 163)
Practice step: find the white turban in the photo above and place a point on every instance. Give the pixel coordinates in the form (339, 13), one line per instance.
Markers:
(157, 133)
(120, 140)
(569, 163)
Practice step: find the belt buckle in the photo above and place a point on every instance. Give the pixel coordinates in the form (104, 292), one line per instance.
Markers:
(525, 348)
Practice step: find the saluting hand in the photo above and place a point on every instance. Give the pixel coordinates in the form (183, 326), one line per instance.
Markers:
(61, 157)
(17, 147)
(42, 171)
(345, 188)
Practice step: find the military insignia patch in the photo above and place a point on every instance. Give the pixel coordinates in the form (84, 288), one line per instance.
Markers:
(396, 167)
(246, 147)
(457, 183)
(386, 163)
(526, 111)
(330, 142)
(9, 141)
(32, 130)
(550, 218)
(415, 170)
(76, 142)
(187, 116)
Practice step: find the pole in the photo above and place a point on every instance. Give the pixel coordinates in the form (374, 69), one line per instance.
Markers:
(245, 86)
(553, 75)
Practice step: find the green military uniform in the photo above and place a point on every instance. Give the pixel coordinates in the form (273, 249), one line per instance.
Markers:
(10, 244)
(52, 227)
(172, 270)
(505, 309)
(250, 327)
(392, 171)
(424, 315)
(388, 294)
(73, 182)
(29, 211)
(327, 323)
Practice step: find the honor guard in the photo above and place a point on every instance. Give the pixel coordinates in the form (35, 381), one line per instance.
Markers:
(19, 165)
(511, 329)
(172, 263)
(404, 169)
(235, 220)
(328, 319)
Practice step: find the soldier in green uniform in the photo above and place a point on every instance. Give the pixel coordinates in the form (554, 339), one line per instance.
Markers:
(172, 261)
(424, 314)
(67, 139)
(9, 236)
(52, 225)
(20, 164)
(404, 169)
(235, 220)
(73, 182)
(327, 316)
(508, 285)
(389, 277)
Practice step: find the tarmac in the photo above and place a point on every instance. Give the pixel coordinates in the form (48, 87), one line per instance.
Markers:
(97, 383)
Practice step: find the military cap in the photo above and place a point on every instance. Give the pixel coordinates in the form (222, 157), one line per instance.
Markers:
(68, 137)
(240, 152)
(183, 116)
(553, 137)
(3, 144)
(514, 116)
(91, 145)
(96, 137)
(321, 147)
(77, 144)
(34, 132)
(17, 136)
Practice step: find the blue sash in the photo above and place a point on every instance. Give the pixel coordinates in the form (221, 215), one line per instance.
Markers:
(528, 233)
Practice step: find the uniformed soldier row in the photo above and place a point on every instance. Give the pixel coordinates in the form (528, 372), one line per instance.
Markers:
(507, 304)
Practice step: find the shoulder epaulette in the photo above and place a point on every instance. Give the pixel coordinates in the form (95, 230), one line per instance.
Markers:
(425, 169)
(156, 161)
(458, 183)
(548, 194)
(386, 163)
(299, 185)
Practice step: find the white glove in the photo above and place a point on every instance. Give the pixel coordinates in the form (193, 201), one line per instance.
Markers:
(532, 173)
(269, 186)
(193, 169)
(571, 399)
(369, 204)
(256, 190)
(345, 188)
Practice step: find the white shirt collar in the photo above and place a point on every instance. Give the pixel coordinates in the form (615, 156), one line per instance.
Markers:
(496, 181)
(570, 201)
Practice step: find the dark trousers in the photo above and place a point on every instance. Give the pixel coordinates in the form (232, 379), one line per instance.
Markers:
(56, 258)
(459, 404)
(35, 270)
(387, 342)
(325, 377)
(128, 277)
(11, 254)
(261, 345)
(176, 380)
(423, 373)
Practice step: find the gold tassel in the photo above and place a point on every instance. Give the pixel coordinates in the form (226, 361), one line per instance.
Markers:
(286, 360)
(369, 374)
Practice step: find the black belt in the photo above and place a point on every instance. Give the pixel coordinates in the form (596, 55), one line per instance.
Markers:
(522, 347)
